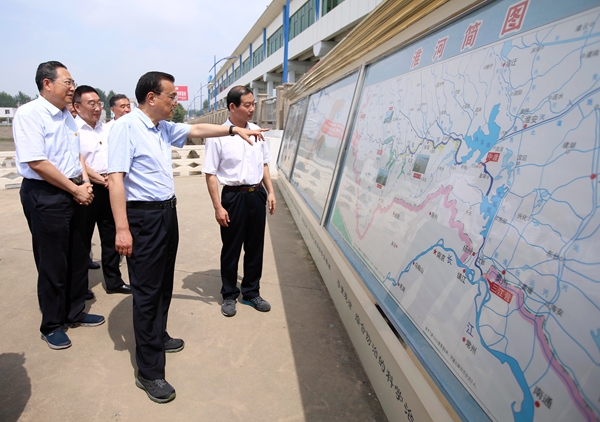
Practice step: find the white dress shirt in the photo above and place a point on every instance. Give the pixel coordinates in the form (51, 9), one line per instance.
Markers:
(43, 132)
(93, 143)
(234, 161)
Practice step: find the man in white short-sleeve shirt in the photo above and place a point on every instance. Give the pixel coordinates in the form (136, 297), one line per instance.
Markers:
(243, 171)
(94, 148)
(54, 192)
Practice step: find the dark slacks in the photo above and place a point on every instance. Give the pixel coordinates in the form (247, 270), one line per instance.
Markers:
(151, 269)
(99, 213)
(247, 215)
(57, 225)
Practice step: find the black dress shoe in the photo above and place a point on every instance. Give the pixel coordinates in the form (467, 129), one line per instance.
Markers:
(93, 265)
(89, 295)
(124, 289)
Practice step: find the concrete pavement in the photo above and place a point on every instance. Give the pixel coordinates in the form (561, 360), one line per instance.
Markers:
(295, 363)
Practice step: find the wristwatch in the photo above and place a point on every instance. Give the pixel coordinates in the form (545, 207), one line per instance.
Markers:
(231, 130)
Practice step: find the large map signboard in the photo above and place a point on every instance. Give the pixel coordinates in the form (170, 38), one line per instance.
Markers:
(291, 136)
(320, 142)
(469, 203)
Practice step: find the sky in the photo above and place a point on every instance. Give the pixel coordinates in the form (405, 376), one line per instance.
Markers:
(109, 44)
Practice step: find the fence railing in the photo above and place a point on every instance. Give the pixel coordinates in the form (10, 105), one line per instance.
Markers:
(269, 113)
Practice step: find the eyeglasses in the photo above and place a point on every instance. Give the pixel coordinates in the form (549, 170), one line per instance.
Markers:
(93, 104)
(68, 83)
(173, 98)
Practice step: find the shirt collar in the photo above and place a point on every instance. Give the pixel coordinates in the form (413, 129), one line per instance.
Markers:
(228, 123)
(145, 119)
(82, 123)
(52, 109)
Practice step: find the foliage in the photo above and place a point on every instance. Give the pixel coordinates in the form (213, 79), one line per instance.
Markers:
(111, 94)
(179, 114)
(22, 98)
(7, 100)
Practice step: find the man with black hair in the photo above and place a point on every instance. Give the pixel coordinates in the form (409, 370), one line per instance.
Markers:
(94, 148)
(244, 171)
(120, 106)
(54, 192)
(143, 200)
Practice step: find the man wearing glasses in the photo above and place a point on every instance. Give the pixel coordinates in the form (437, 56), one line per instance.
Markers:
(54, 192)
(143, 201)
(94, 148)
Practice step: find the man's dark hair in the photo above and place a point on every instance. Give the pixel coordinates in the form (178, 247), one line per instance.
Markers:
(150, 82)
(47, 70)
(82, 89)
(113, 100)
(235, 94)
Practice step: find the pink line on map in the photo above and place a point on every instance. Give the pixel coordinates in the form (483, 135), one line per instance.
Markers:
(445, 191)
(538, 325)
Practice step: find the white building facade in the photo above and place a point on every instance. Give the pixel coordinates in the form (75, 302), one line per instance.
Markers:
(288, 39)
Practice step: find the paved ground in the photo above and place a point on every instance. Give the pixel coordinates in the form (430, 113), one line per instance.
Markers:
(295, 363)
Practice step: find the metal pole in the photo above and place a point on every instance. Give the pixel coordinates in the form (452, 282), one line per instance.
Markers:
(215, 82)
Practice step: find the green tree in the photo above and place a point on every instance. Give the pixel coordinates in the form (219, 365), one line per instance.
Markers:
(7, 100)
(102, 95)
(179, 114)
(205, 106)
(22, 98)
(111, 94)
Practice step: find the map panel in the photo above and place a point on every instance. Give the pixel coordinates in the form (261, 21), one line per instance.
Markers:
(322, 133)
(470, 196)
(291, 136)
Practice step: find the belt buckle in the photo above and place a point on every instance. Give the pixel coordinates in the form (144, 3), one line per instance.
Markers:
(252, 189)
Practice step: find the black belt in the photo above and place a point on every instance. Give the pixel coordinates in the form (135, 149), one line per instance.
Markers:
(77, 180)
(152, 205)
(243, 188)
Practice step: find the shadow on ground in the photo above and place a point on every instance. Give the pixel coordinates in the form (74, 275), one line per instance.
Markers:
(15, 389)
(327, 367)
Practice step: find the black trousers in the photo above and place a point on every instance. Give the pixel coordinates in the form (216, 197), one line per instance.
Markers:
(99, 213)
(151, 269)
(57, 225)
(247, 215)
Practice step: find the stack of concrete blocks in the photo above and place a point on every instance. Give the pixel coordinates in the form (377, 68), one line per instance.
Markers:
(186, 161)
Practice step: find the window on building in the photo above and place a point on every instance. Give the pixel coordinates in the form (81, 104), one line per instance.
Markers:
(275, 41)
(302, 19)
(246, 66)
(329, 5)
(258, 56)
(238, 73)
(6, 111)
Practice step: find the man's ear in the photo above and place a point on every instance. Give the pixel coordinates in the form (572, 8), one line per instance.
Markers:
(77, 107)
(150, 98)
(46, 84)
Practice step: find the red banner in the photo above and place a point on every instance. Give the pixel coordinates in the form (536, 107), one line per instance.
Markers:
(182, 92)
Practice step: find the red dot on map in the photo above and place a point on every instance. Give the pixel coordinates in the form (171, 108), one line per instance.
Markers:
(464, 339)
(593, 176)
(464, 270)
(537, 404)
(413, 262)
(473, 253)
(434, 251)
(429, 212)
(503, 272)
(525, 126)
